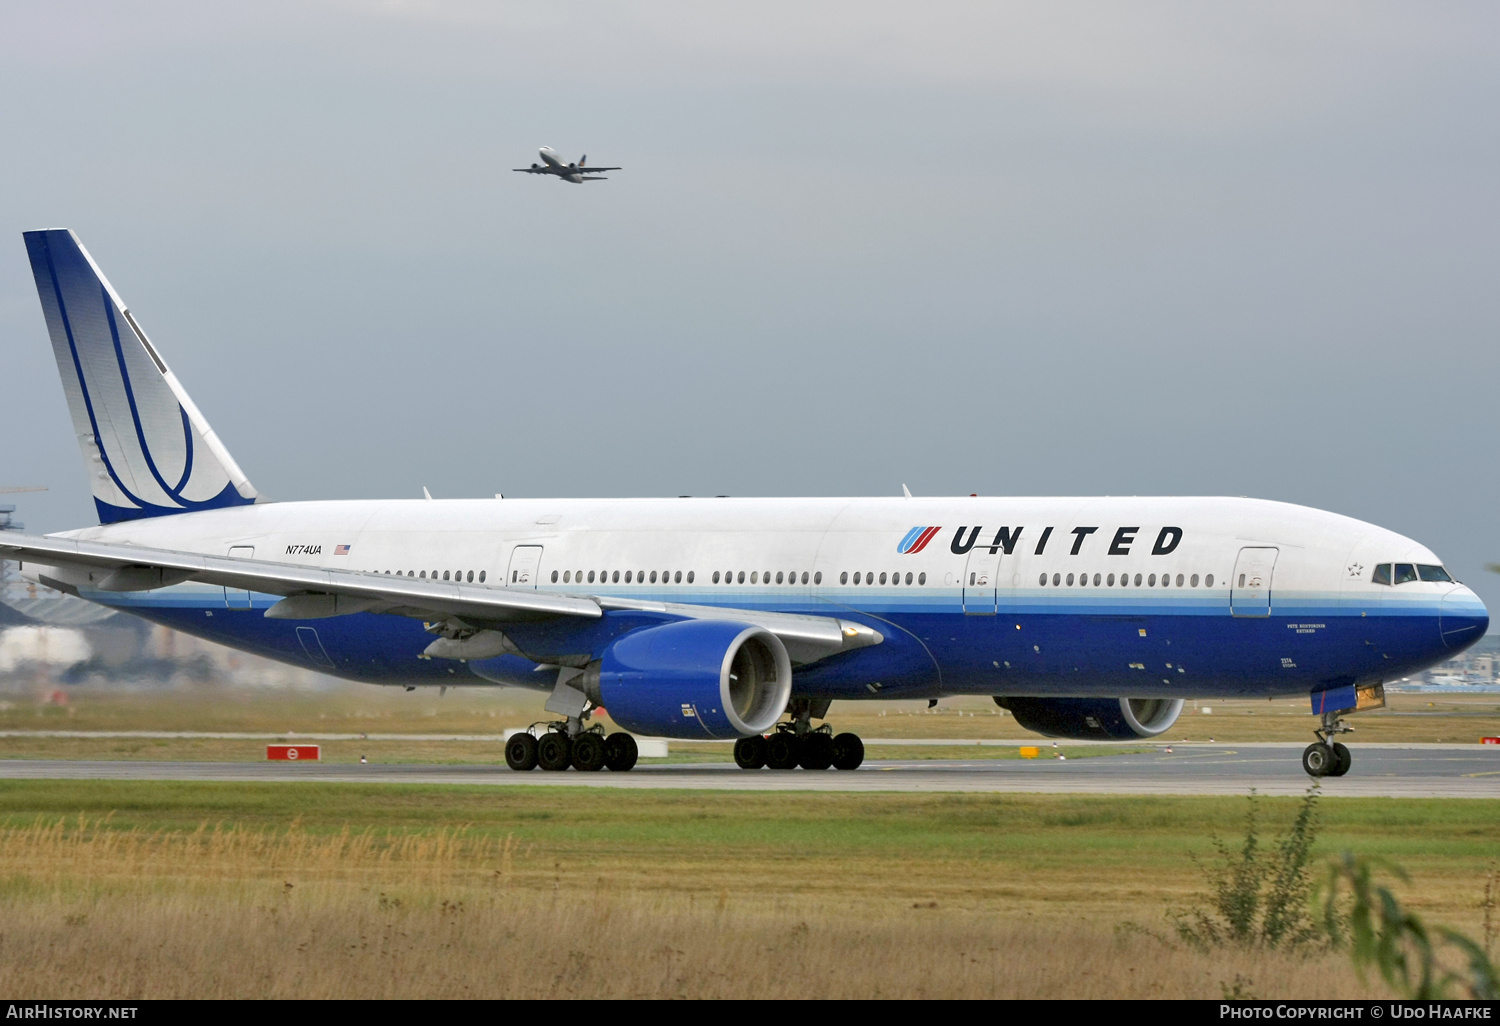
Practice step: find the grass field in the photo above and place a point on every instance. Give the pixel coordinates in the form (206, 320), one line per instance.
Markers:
(177, 889)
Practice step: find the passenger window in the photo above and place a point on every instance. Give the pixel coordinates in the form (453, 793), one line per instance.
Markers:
(1096, 580)
(804, 576)
(469, 577)
(1151, 581)
(1405, 573)
(754, 576)
(922, 578)
(567, 577)
(690, 577)
(481, 576)
(591, 577)
(779, 576)
(554, 576)
(1137, 580)
(742, 577)
(1042, 581)
(1242, 580)
(843, 577)
(1179, 580)
(424, 575)
(908, 577)
(818, 577)
(1193, 580)
(882, 578)
(1056, 580)
(856, 577)
(677, 577)
(1070, 580)
(1208, 582)
(716, 577)
(1109, 581)
(1432, 573)
(445, 575)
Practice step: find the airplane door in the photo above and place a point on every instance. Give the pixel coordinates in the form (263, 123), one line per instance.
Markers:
(981, 577)
(1250, 587)
(525, 564)
(238, 598)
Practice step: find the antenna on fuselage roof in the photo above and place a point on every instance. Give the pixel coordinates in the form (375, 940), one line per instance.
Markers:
(905, 491)
(426, 494)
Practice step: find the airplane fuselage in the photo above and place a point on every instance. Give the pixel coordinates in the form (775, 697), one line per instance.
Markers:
(1127, 597)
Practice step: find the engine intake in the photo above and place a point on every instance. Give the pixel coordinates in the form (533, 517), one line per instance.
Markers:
(1089, 719)
(696, 679)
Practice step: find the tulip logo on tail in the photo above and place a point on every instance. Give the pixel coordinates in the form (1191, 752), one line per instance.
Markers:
(916, 540)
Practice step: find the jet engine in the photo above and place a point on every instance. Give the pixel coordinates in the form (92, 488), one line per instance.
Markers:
(1091, 719)
(695, 679)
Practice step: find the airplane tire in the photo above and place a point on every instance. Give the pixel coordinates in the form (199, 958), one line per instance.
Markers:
(620, 752)
(817, 752)
(1318, 759)
(520, 752)
(750, 752)
(588, 753)
(848, 751)
(1342, 760)
(782, 750)
(553, 751)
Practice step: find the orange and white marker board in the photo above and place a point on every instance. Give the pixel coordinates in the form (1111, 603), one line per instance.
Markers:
(292, 753)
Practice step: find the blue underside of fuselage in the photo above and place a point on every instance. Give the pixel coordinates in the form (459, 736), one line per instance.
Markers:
(1163, 650)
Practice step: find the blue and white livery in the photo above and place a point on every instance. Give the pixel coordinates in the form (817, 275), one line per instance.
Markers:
(729, 618)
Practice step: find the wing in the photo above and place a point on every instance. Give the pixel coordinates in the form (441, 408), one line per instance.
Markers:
(114, 567)
(316, 592)
(593, 168)
(534, 170)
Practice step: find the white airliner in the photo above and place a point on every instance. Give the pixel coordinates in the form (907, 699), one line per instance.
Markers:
(721, 617)
(577, 173)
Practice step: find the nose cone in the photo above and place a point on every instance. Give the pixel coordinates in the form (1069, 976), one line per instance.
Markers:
(1463, 619)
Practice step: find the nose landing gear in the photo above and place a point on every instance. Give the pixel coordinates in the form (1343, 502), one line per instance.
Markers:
(1323, 758)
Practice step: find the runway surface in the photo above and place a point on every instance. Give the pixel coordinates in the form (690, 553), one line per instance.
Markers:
(1380, 770)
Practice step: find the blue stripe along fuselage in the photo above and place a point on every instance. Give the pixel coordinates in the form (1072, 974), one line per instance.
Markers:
(1157, 647)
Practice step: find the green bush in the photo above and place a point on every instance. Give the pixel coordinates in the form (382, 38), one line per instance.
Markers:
(1260, 896)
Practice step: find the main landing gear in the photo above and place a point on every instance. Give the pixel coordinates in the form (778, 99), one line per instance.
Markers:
(1323, 758)
(798, 743)
(588, 750)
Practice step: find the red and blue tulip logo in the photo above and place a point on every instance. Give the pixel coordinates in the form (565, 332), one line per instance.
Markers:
(916, 540)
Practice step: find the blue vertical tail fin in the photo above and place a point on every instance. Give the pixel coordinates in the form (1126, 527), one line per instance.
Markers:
(148, 450)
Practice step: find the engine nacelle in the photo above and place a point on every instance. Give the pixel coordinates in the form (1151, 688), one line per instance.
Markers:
(696, 679)
(1091, 719)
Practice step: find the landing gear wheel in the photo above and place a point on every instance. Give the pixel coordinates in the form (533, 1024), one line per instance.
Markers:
(553, 752)
(1318, 759)
(588, 752)
(817, 751)
(1342, 760)
(620, 752)
(848, 751)
(750, 752)
(520, 752)
(782, 750)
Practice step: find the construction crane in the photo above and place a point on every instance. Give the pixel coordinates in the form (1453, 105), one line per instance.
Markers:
(13, 489)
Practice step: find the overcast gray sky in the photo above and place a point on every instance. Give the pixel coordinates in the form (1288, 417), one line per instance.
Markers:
(1007, 248)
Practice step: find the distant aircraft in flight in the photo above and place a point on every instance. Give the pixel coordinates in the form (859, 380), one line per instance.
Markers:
(552, 165)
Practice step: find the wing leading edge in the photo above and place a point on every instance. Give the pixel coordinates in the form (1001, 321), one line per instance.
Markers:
(316, 592)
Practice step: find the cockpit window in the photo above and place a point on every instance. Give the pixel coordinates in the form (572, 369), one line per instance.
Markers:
(1405, 573)
(1432, 573)
(1382, 574)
